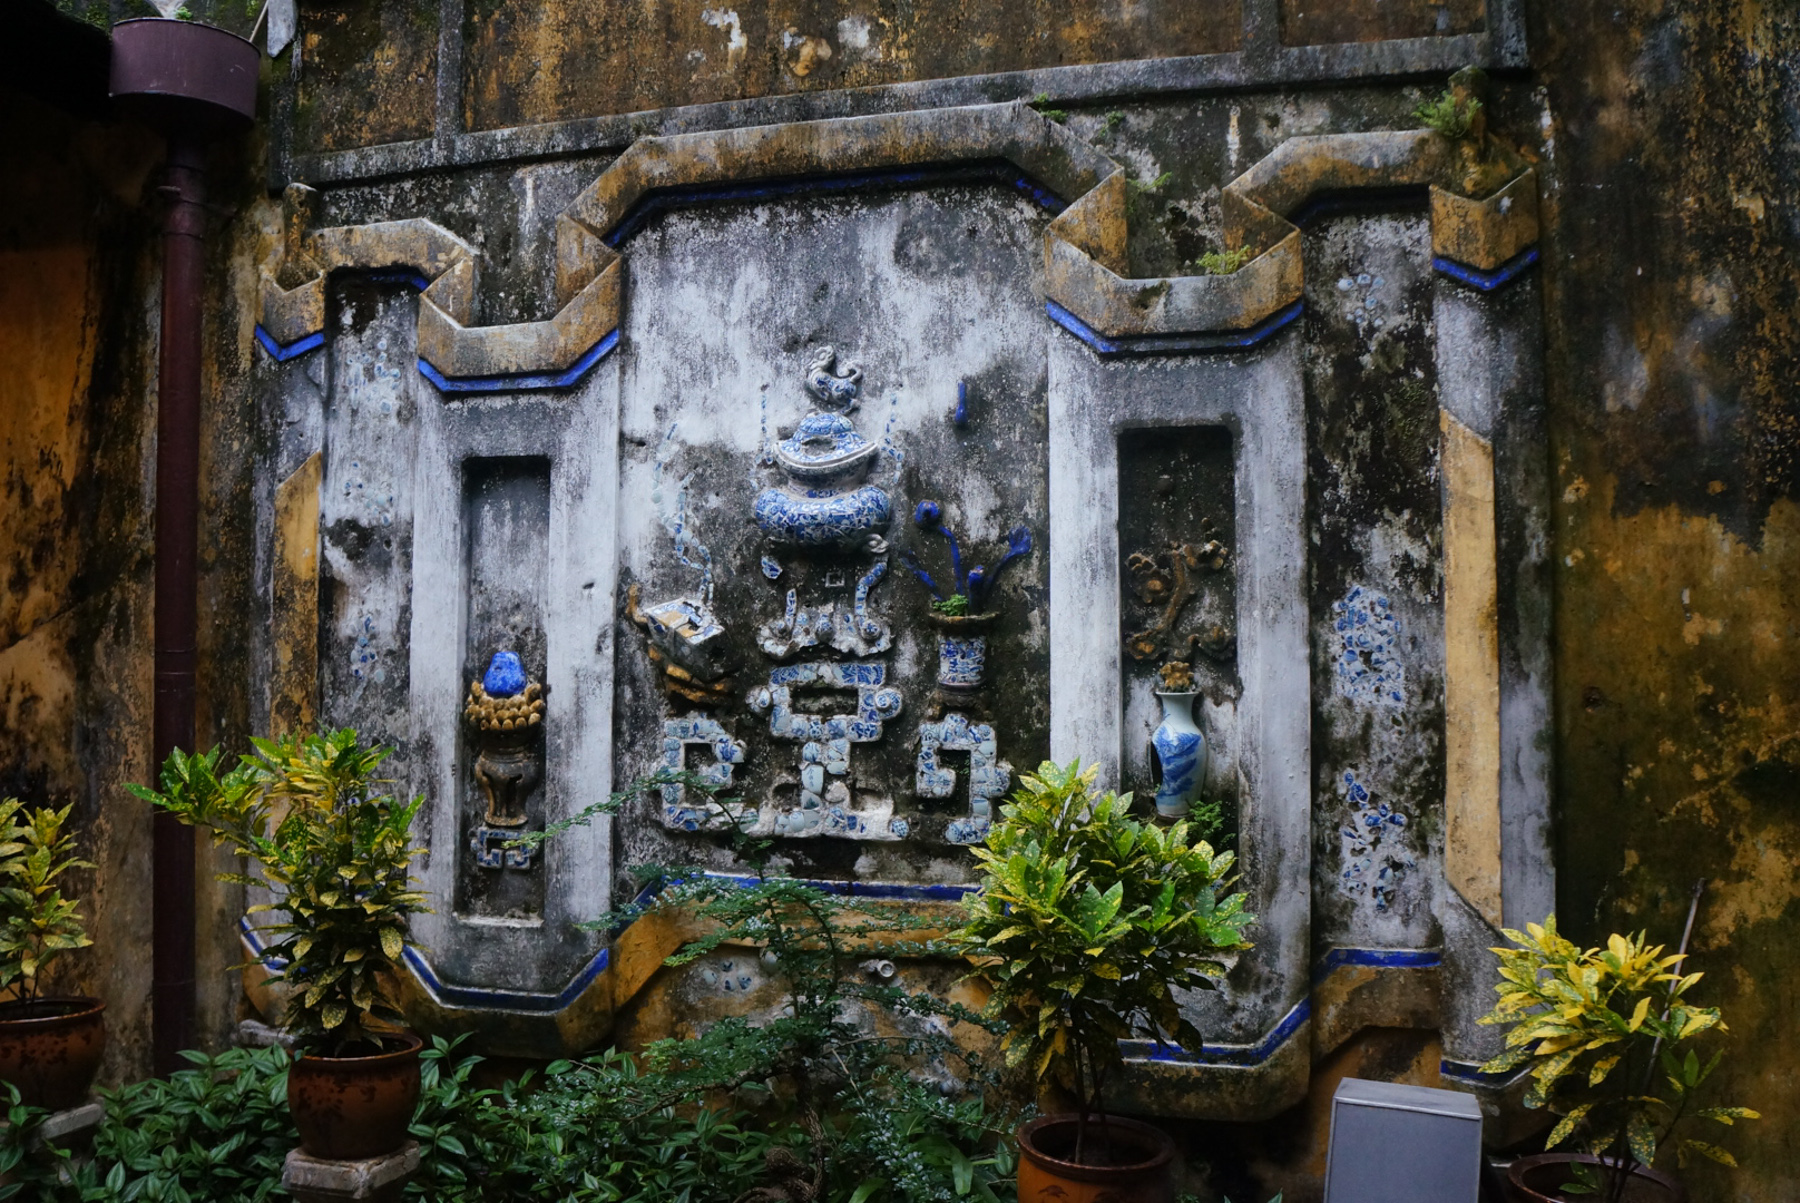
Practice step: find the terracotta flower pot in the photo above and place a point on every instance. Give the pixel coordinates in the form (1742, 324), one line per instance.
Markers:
(351, 1108)
(1540, 1179)
(1139, 1172)
(50, 1049)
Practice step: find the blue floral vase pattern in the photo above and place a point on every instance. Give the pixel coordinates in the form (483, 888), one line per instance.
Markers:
(962, 649)
(1181, 752)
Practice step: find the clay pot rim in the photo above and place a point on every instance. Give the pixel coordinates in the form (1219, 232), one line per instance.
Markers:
(86, 1007)
(366, 1061)
(956, 622)
(1515, 1173)
(1027, 1134)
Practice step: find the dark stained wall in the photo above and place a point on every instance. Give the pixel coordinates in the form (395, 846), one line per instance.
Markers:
(79, 285)
(529, 62)
(75, 349)
(1670, 144)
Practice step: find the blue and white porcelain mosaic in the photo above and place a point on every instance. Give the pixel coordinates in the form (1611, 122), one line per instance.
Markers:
(698, 731)
(989, 776)
(1375, 858)
(962, 660)
(822, 502)
(825, 806)
(823, 519)
(489, 846)
(854, 631)
(1367, 657)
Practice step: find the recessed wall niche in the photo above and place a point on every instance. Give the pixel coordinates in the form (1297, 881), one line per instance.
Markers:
(506, 522)
(1178, 594)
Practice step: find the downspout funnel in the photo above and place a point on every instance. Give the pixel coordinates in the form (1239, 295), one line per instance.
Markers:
(192, 83)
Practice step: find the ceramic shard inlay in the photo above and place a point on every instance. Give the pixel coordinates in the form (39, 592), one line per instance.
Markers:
(1367, 662)
(826, 803)
(703, 734)
(989, 776)
(1375, 858)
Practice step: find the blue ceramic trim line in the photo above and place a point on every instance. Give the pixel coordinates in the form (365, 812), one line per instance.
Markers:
(525, 381)
(1255, 1054)
(1378, 958)
(994, 172)
(1474, 277)
(1470, 1072)
(1175, 344)
(487, 998)
(889, 890)
(1210, 1054)
(254, 943)
(300, 346)
(490, 998)
(400, 275)
(481, 997)
(1241, 1055)
(293, 350)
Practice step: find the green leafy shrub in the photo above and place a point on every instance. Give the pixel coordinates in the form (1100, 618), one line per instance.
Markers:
(37, 924)
(1088, 921)
(1594, 1026)
(851, 1116)
(216, 1132)
(593, 1131)
(308, 809)
(954, 606)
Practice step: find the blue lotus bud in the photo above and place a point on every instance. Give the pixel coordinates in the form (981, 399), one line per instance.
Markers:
(927, 514)
(505, 676)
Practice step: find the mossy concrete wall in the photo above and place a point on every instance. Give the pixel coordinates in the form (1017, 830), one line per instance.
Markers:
(1667, 143)
(75, 435)
(79, 284)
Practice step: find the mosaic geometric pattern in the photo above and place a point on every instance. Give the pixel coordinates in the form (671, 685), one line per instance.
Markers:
(989, 776)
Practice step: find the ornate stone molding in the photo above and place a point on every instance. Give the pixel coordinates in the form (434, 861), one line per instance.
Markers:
(1086, 281)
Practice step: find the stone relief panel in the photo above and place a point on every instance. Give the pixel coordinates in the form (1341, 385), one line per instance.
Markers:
(788, 423)
(789, 527)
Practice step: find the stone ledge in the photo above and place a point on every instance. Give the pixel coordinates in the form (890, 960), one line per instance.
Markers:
(1084, 245)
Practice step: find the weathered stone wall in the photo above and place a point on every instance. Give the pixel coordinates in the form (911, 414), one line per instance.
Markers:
(79, 285)
(1664, 140)
(1670, 148)
(75, 618)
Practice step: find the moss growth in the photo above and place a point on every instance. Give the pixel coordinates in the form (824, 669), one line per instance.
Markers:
(1447, 116)
(1223, 263)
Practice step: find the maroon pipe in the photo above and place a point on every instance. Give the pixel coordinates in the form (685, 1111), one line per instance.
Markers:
(192, 82)
(177, 549)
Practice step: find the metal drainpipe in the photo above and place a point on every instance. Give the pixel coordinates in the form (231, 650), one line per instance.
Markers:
(177, 548)
(193, 83)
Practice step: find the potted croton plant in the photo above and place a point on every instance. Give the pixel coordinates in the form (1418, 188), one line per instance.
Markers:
(1607, 1035)
(1087, 923)
(50, 1046)
(336, 848)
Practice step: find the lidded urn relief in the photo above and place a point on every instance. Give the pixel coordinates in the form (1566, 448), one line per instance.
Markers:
(825, 500)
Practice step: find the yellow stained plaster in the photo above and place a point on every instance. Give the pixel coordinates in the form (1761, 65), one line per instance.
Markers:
(1471, 671)
(294, 607)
